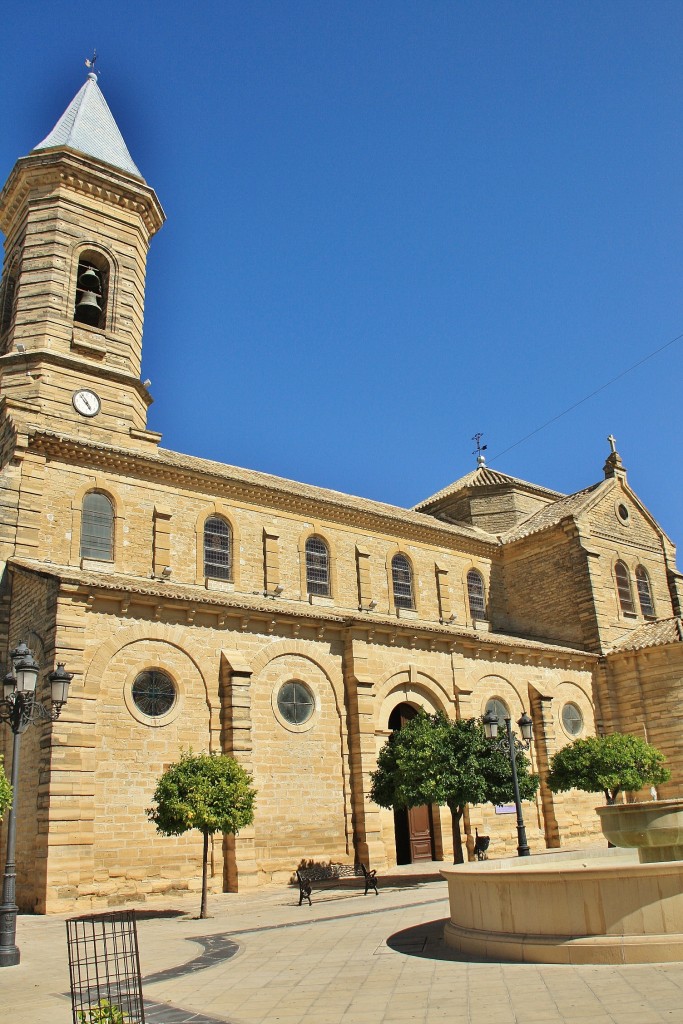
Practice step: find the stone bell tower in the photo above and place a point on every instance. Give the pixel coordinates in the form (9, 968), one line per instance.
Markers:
(77, 217)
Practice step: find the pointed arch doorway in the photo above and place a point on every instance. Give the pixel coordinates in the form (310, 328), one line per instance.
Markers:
(413, 826)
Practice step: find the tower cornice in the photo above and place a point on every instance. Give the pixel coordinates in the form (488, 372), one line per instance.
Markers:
(85, 175)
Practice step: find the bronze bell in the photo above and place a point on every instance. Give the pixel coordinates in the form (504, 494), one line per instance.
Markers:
(90, 281)
(88, 308)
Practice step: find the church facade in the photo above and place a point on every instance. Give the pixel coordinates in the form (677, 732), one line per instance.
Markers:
(205, 606)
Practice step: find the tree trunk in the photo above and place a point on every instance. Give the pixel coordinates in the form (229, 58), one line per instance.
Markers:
(611, 799)
(456, 815)
(205, 858)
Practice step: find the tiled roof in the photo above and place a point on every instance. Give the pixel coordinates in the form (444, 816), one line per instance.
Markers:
(154, 589)
(550, 515)
(88, 126)
(162, 459)
(482, 476)
(651, 634)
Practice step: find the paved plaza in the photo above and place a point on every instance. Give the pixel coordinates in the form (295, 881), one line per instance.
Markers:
(348, 959)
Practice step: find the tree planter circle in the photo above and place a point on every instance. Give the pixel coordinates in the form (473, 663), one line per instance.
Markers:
(653, 827)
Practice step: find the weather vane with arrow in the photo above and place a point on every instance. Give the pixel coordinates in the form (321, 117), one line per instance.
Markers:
(480, 449)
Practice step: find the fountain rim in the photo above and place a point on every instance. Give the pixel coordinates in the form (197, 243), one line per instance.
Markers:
(636, 805)
(599, 868)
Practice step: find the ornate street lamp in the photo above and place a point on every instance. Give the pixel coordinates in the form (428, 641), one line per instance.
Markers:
(19, 708)
(508, 744)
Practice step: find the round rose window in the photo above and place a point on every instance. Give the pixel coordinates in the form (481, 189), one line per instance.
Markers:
(572, 719)
(295, 702)
(154, 693)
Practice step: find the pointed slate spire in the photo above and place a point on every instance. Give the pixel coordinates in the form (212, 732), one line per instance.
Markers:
(88, 126)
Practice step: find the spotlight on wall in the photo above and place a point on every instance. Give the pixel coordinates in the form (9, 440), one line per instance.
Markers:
(147, 383)
(166, 571)
(372, 605)
(20, 348)
(278, 590)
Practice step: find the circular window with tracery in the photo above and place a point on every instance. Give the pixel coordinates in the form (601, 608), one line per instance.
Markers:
(572, 719)
(154, 693)
(295, 702)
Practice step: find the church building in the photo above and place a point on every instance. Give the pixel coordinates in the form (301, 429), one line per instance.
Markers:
(204, 606)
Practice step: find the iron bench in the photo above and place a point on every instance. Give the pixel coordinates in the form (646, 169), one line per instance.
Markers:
(327, 875)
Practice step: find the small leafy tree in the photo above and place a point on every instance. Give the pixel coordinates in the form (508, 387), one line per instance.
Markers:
(5, 791)
(433, 760)
(209, 792)
(103, 1013)
(607, 764)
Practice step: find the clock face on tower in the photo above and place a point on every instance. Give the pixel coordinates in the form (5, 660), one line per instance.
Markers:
(85, 402)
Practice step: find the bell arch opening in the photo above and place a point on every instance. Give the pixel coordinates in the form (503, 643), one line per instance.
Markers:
(92, 286)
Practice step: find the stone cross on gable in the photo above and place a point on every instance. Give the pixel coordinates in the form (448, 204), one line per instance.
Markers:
(614, 466)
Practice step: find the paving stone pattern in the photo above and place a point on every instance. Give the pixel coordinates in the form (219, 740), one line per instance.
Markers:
(262, 959)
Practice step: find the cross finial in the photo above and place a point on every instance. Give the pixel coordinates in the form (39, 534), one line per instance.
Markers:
(614, 466)
(480, 449)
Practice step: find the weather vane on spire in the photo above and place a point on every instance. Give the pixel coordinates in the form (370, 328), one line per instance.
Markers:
(91, 63)
(480, 449)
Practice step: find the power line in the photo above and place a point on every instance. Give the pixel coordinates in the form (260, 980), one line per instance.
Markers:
(581, 401)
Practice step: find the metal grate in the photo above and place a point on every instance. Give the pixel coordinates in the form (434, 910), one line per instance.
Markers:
(402, 579)
(104, 969)
(317, 567)
(217, 549)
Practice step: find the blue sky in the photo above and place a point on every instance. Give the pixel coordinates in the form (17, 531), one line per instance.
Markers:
(392, 225)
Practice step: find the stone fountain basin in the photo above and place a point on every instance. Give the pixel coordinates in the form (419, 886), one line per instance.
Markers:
(654, 827)
(575, 907)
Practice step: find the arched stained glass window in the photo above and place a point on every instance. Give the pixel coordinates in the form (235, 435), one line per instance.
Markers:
(624, 589)
(317, 567)
(402, 581)
(217, 549)
(476, 595)
(644, 592)
(97, 527)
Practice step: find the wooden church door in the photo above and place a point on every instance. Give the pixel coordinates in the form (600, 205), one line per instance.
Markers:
(413, 827)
